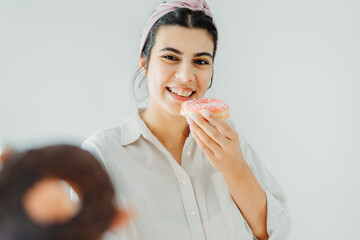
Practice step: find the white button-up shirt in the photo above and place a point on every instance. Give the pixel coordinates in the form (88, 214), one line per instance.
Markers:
(171, 201)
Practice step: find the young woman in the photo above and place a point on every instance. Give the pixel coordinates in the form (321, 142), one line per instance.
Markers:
(186, 178)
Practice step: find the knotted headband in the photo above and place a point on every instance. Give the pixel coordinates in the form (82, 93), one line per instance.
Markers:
(162, 9)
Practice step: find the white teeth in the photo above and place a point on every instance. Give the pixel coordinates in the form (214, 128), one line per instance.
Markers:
(180, 93)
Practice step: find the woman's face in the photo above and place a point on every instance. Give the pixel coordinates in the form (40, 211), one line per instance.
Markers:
(179, 68)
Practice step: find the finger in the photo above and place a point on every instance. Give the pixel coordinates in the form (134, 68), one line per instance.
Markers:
(204, 137)
(6, 154)
(120, 218)
(207, 151)
(210, 130)
(219, 123)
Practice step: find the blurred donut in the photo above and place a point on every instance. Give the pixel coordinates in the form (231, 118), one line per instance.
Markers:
(77, 167)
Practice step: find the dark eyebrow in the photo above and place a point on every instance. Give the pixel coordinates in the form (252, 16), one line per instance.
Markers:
(171, 49)
(203, 54)
(179, 52)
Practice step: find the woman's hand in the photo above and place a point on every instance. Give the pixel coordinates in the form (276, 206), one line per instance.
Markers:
(218, 140)
(221, 145)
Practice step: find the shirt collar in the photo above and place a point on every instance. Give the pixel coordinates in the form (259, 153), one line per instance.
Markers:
(130, 129)
(133, 127)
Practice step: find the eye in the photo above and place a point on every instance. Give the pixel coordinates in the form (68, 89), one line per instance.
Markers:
(201, 62)
(169, 57)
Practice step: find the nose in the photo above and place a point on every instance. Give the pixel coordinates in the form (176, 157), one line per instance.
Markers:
(185, 73)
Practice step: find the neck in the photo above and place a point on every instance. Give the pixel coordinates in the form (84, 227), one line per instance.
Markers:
(165, 126)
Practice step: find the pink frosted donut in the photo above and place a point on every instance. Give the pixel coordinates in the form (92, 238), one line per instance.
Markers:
(216, 106)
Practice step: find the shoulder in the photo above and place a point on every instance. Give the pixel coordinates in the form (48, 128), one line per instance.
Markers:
(105, 136)
(243, 143)
(248, 152)
(127, 132)
(107, 144)
(99, 143)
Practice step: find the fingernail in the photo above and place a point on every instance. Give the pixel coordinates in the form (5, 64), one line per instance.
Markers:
(194, 115)
(205, 113)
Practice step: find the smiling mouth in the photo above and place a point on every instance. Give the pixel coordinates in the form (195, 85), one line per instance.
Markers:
(180, 93)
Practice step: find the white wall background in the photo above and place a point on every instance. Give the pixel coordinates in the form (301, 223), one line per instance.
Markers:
(288, 69)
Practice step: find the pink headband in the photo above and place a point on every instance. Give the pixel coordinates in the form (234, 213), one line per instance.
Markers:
(162, 9)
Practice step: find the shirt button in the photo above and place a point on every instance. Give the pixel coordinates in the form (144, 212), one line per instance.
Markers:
(184, 181)
(193, 213)
(188, 153)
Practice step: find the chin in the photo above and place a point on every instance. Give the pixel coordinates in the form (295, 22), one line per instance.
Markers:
(174, 110)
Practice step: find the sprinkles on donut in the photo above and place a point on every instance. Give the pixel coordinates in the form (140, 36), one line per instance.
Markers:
(216, 106)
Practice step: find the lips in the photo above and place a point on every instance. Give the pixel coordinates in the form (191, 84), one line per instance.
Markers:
(181, 94)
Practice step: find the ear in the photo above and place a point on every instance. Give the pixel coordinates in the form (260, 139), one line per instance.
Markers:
(143, 66)
(121, 217)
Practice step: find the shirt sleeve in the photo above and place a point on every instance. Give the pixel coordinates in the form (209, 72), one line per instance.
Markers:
(278, 219)
(89, 146)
